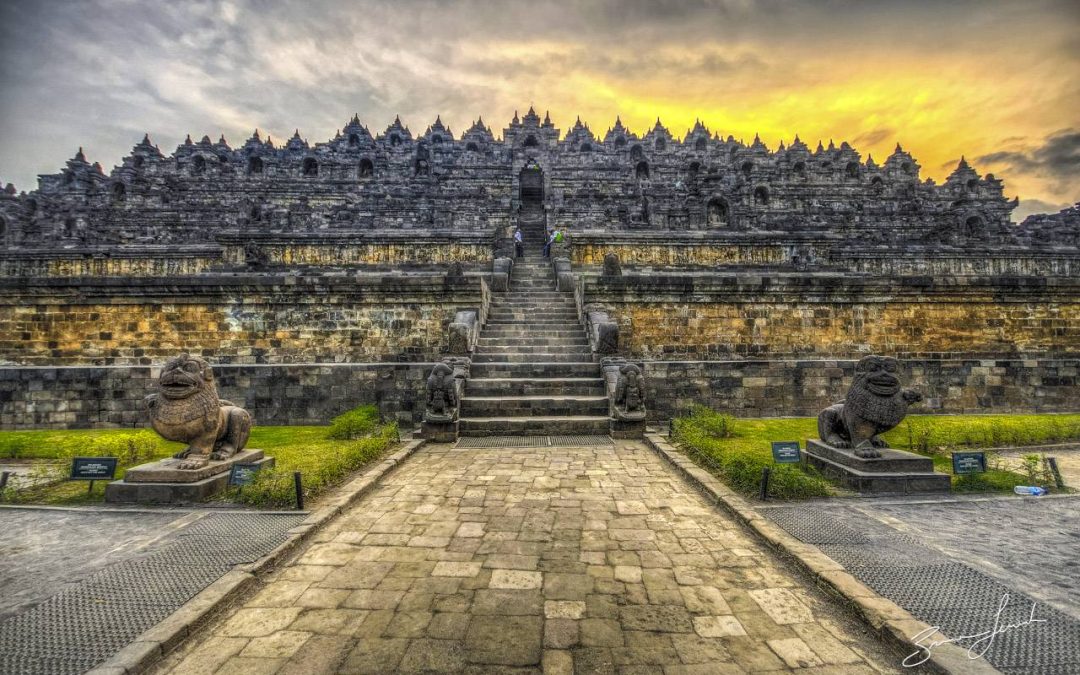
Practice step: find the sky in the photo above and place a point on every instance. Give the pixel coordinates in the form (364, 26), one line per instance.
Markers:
(995, 81)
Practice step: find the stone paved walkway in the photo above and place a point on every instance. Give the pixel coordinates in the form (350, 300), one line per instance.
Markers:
(587, 560)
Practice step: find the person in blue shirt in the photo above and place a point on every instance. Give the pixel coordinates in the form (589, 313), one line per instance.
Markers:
(519, 243)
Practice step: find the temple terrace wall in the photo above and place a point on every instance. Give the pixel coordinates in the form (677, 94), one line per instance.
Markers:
(771, 388)
(817, 250)
(368, 249)
(254, 318)
(113, 396)
(313, 393)
(775, 315)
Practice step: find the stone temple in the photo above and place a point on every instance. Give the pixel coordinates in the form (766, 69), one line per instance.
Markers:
(319, 277)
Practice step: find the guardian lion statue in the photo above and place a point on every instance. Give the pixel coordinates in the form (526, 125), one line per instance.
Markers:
(630, 392)
(187, 409)
(442, 398)
(875, 403)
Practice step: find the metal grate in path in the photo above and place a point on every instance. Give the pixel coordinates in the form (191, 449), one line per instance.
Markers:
(82, 626)
(959, 599)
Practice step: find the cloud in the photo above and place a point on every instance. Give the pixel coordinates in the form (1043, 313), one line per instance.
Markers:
(100, 73)
(1057, 158)
(1029, 207)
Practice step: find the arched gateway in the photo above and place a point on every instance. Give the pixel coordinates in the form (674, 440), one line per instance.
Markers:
(531, 190)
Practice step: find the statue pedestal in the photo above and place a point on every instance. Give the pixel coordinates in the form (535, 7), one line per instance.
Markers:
(440, 432)
(627, 428)
(162, 482)
(895, 472)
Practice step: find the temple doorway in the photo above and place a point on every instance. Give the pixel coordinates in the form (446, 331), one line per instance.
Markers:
(532, 186)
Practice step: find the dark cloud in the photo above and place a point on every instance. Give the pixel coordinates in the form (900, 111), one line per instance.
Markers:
(1029, 207)
(1057, 159)
(874, 137)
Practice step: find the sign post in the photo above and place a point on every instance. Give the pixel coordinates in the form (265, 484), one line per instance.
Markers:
(92, 469)
(783, 452)
(786, 452)
(243, 474)
(968, 462)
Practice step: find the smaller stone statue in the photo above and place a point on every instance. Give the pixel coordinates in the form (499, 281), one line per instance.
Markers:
(612, 266)
(187, 409)
(875, 403)
(630, 393)
(442, 399)
(254, 256)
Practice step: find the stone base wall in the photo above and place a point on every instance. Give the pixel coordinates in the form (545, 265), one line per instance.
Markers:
(775, 315)
(377, 247)
(680, 254)
(818, 251)
(231, 319)
(150, 261)
(93, 397)
(803, 388)
(84, 397)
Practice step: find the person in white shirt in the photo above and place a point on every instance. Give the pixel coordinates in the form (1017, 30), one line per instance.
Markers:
(519, 243)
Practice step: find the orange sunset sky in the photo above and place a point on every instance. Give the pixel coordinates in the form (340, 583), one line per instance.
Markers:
(998, 82)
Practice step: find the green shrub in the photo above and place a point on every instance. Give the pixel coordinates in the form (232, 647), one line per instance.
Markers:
(319, 469)
(129, 448)
(355, 423)
(127, 445)
(717, 425)
(711, 439)
(932, 434)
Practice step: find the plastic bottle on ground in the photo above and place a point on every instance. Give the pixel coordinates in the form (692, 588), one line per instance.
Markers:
(1028, 490)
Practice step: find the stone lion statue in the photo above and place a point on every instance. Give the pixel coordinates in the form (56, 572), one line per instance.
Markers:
(187, 409)
(442, 398)
(630, 392)
(875, 403)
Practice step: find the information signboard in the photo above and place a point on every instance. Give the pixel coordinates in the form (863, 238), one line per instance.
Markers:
(93, 468)
(786, 452)
(243, 474)
(968, 462)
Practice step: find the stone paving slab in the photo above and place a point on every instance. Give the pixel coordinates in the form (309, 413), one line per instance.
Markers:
(561, 560)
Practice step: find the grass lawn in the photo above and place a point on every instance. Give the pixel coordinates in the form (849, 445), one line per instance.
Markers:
(738, 449)
(323, 461)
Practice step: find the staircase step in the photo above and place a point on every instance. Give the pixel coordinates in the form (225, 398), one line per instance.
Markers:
(537, 347)
(536, 296)
(533, 406)
(566, 316)
(538, 308)
(545, 357)
(535, 369)
(535, 426)
(533, 341)
(519, 329)
(535, 386)
(560, 324)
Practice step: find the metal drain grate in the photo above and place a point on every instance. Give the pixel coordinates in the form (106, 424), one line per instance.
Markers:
(958, 599)
(963, 601)
(531, 441)
(813, 527)
(82, 626)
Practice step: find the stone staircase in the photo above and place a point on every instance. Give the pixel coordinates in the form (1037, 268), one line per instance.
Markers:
(533, 372)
